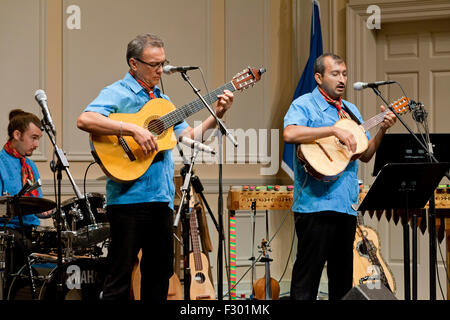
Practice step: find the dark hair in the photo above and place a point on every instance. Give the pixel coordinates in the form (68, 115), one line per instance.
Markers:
(319, 66)
(138, 44)
(20, 120)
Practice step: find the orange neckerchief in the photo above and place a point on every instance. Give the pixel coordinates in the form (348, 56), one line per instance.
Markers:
(336, 103)
(26, 171)
(143, 85)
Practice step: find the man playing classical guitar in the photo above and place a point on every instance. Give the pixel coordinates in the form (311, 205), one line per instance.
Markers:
(324, 218)
(141, 211)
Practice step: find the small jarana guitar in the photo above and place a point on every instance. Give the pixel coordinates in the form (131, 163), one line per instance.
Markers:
(368, 264)
(326, 158)
(201, 287)
(123, 160)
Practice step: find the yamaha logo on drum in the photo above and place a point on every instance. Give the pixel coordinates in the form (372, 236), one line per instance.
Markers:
(77, 277)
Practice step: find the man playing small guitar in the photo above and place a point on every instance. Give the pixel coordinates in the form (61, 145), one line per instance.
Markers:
(325, 221)
(140, 211)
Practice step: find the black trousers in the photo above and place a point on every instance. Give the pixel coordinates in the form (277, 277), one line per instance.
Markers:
(146, 226)
(323, 237)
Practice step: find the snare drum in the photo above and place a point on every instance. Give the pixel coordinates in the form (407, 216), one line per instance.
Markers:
(82, 279)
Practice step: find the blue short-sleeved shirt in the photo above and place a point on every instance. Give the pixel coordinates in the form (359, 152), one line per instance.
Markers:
(156, 184)
(11, 183)
(311, 110)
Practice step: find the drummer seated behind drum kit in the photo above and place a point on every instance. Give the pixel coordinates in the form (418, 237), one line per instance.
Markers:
(84, 233)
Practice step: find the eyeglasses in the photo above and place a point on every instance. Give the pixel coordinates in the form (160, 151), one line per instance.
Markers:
(154, 65)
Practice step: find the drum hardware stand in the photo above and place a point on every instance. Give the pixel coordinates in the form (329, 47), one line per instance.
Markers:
(222, 131)
(28, 187)
(3, 245)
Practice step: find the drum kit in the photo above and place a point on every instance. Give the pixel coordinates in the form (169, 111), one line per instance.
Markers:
(70, 269)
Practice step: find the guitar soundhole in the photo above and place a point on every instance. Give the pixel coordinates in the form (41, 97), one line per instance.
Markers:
(156, 127)
(200, 277)
(362, 250)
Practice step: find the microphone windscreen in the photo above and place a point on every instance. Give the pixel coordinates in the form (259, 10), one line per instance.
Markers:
(40, 95)
(358, 85)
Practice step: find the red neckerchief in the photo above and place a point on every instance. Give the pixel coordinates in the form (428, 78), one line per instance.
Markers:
(336, 103)
(26, 172)
(143, 85)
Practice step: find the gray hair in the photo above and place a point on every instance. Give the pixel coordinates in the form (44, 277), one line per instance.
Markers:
(319, 65)
(138, 44)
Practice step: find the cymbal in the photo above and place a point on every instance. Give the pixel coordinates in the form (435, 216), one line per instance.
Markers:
(28, 205)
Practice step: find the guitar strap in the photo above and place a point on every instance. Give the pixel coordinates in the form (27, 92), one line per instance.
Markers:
(347, 109)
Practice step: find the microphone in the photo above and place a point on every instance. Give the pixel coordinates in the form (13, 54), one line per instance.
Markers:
(41, 98)
(24, 189)
(195, 144)
(364, 85)
(33, 186)
(171, 69)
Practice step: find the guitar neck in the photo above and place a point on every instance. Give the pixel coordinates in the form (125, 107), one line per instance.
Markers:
(374, 121)
(178, 115)
(195, 241)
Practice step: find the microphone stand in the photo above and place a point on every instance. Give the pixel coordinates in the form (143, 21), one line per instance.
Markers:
(184, 214)
(62, 164)
(432, 207)
(222, 131)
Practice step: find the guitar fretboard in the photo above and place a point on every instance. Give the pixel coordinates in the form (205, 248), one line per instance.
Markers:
(195, 106)
(374, 121)
(195, 241)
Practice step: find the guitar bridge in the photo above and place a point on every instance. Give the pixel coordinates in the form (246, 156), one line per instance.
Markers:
(324, 151)
(126, 148)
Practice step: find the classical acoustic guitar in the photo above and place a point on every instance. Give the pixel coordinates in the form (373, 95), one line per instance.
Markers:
(175, 291)
(123, 160)
(369, 266)
(201, 287)
(326, 158)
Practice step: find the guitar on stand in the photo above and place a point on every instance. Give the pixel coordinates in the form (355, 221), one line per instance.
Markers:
(201, 287)
(368, 264)
(175, 291)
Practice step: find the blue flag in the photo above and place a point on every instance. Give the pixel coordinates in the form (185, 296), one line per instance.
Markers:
(307, 82)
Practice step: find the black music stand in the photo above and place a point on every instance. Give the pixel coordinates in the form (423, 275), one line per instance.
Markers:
(404, 186)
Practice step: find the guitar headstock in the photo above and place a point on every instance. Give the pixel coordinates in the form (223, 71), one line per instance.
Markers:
(401, 105)
(247, 78)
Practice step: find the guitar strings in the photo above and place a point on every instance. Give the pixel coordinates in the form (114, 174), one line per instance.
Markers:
(374, 121)
(187, 110)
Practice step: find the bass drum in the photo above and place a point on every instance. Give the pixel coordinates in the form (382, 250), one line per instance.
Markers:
(82, 279)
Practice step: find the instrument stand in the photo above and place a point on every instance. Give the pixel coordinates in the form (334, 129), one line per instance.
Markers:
(184, 214)
(432, 207)
(253, 258)
(222, 130)
(413, 182)
(198, 188)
